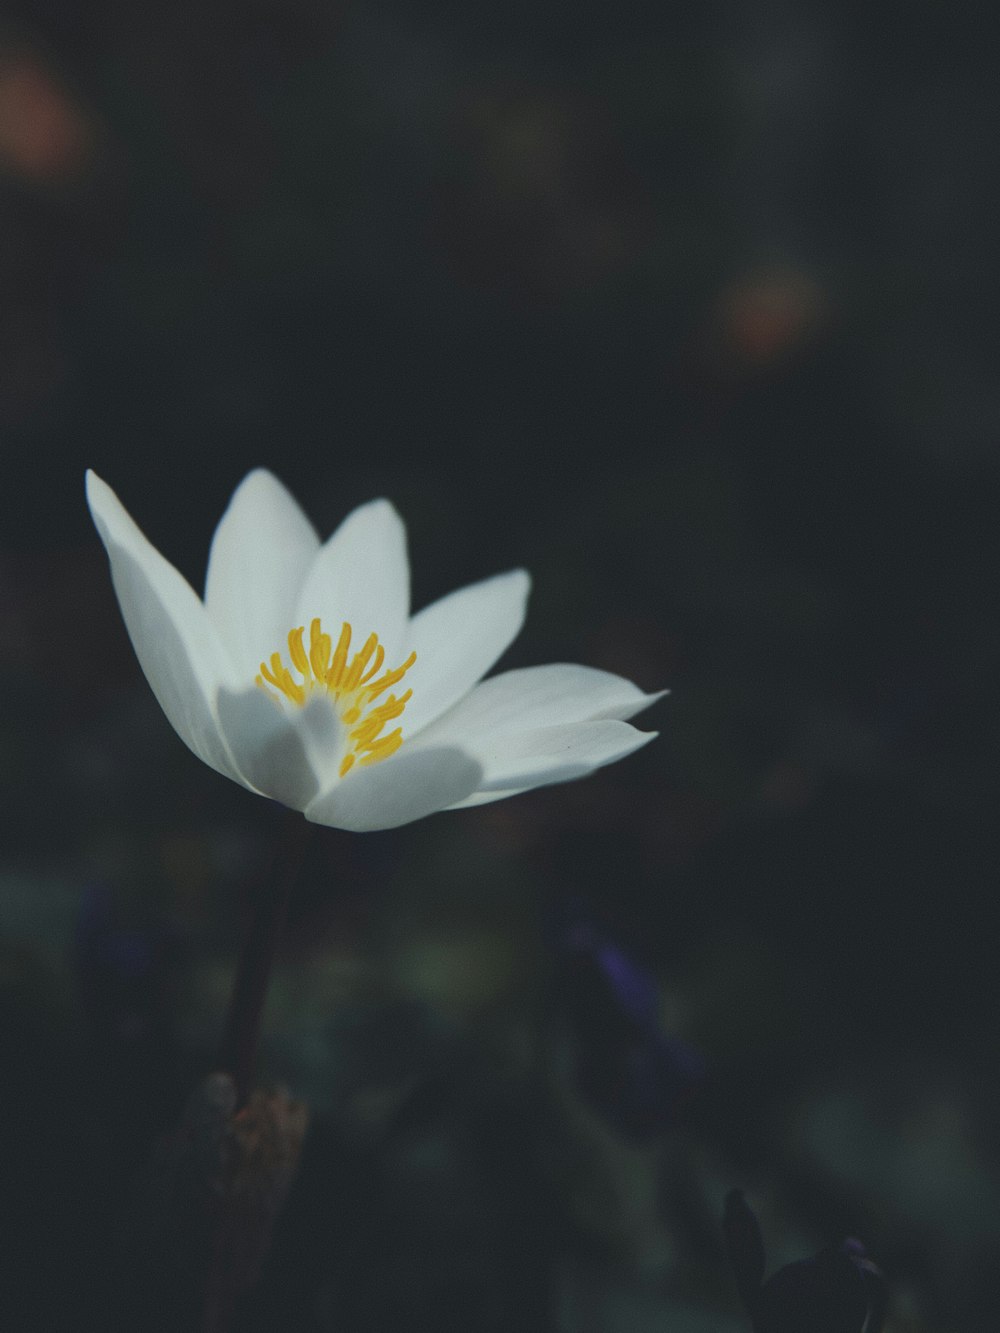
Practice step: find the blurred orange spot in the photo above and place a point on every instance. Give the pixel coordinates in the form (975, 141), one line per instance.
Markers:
(785, 786)
(767, 315)
(43, 135)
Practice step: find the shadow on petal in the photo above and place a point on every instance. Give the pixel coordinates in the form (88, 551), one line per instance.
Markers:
(266, 746)
(408, 786)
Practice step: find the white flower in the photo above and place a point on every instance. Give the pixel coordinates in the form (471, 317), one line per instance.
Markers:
(303, 676)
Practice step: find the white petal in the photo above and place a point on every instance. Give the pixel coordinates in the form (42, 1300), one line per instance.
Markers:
(261, 551)
(174, 640)
(457, 640)
(269, 748)
(532, 697)
(487, 797)
(362, 575)
(407, 786)
(553, 754)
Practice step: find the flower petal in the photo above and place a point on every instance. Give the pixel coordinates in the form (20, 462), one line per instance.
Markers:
(553, 754)
(397, 791)
(261, 551)
(362, 575)
(457, 640)
(268, 746)
(533, 697)
(487, 797)
(174, 640)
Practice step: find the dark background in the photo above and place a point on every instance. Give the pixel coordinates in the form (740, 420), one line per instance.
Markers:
(688, 309)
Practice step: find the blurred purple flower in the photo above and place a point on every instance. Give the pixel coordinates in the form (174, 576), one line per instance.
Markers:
(123, 973)
(840, 1290)
(633, 1073)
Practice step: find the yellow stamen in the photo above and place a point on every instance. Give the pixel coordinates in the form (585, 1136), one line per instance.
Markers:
(353, 675)
(336, 670)
(382, 749)
(319, 649)
(280, 677)
(392, 677)
(375, 667)
(297, 652)
(351, 683)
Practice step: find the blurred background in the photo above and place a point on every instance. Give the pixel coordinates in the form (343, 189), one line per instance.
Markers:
(686, 309)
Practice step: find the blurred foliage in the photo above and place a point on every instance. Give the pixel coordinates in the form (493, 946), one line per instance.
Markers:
(688, 312)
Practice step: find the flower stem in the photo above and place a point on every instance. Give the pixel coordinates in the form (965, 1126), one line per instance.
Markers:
(241, 1035)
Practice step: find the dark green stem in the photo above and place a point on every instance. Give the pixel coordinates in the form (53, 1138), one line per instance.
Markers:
(241, 1036)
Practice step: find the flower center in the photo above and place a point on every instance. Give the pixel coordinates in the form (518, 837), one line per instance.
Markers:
(352, 684)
